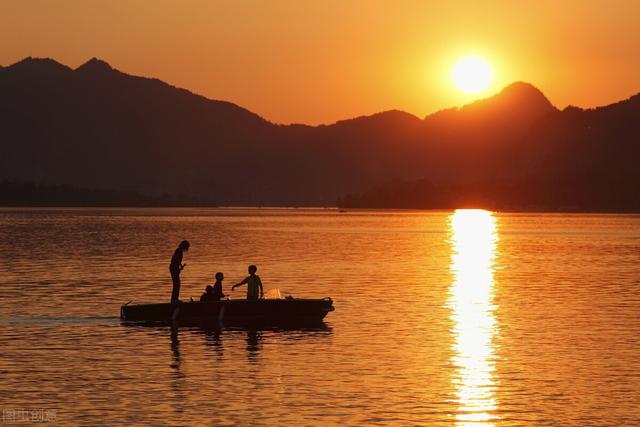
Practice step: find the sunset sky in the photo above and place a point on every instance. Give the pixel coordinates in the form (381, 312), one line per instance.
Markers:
(318, 62)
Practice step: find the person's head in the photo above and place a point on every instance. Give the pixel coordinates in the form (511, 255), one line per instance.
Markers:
(219, 277)
(208, 289)
(252, 269)
(184, 245)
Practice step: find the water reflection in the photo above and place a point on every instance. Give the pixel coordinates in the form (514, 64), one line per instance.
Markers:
(213, 339)
(214, 336)
(253, 345)
(178, 378)
(473, 239)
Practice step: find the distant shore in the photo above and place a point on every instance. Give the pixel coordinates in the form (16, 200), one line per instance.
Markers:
(30, 194)
(316, 208)
(35, 195)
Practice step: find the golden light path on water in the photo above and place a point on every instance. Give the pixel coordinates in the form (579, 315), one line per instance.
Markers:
(473, 239)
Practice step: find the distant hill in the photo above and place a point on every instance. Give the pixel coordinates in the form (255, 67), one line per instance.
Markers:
(97, 127)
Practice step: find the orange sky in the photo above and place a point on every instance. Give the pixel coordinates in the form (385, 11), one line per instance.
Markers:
(318, 62)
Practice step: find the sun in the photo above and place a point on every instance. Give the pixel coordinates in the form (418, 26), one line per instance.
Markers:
(472, 74)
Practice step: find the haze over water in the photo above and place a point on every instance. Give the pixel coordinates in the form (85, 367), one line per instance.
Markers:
(466, 318)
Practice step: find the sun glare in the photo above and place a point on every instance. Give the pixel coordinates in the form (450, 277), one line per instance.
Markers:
(472, 74)
(474, 238)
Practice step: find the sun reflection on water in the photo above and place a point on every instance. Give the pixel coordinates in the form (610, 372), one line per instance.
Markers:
(473, 239)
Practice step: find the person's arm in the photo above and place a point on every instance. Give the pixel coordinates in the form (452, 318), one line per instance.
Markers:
(176, 260)
(261, 291)
(244, 282)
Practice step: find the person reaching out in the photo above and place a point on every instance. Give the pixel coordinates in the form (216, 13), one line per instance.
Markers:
(254, 284)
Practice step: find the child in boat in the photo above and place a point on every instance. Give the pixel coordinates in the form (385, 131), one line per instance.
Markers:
(254, 284)
(214, 293)
(207, 296)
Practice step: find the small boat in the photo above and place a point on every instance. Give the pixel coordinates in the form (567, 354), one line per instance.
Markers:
(263, 312)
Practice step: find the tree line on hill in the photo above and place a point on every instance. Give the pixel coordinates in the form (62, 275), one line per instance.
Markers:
(32, 194)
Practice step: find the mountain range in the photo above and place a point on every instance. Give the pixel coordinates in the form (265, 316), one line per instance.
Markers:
(97, 127)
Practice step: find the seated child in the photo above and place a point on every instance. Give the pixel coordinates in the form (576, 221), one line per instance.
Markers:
(214, 293)
(207, 296)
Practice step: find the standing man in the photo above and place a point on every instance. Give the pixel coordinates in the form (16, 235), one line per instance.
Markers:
(176, 267)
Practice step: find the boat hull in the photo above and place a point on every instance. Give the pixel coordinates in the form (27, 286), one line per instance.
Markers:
(232, 312)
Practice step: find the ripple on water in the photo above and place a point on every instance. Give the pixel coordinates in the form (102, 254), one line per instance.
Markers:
(505, 319)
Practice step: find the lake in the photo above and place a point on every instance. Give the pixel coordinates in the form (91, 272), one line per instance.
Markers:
(465, 318)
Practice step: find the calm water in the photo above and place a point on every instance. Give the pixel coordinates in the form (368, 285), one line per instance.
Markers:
(463, 318)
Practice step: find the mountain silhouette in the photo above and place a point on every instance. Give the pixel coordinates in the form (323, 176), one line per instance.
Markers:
(96, 127)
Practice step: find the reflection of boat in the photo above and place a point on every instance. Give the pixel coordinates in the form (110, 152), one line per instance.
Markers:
(289, 311)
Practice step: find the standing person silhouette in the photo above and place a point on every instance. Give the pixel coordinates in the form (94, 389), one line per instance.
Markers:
(254, 284)
(176, 267)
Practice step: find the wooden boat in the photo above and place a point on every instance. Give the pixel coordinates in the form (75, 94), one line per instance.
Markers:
(288, 311)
